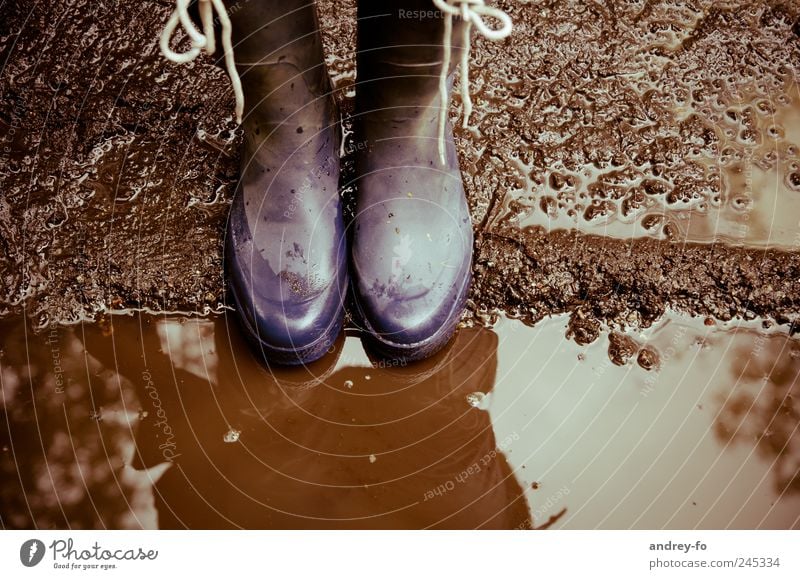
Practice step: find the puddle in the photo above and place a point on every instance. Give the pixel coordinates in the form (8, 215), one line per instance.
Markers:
(344, 443)
(730, 173)
(162, 420)
(707, 438)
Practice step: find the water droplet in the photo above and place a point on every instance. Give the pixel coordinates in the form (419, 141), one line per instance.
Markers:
(348, 383)
(232, 436)
(477, 400)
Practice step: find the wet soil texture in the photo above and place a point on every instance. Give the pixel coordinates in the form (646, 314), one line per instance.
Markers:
(623, 158)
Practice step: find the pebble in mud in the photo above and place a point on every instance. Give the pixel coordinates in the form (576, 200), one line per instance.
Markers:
(621, 348)
(793, 180)
(652, 222)
(583, 329)
(647, 358)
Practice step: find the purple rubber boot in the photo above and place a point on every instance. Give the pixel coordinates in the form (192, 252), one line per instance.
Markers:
(286, 254)
(412, 235)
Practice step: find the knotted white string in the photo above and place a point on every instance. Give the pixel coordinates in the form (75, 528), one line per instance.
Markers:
(471, 12)
(204, 40)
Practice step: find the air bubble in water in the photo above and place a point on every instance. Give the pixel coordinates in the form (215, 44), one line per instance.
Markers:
(793, 180)
(232, 436)
(477, 400)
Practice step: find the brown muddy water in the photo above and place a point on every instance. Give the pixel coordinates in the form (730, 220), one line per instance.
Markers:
(172, 421)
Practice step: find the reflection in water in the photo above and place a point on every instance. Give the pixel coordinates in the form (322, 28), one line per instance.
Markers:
(65, 436)
(354, 447)
(168, 421)
(334, 445)
(764, 408)
(625, 447)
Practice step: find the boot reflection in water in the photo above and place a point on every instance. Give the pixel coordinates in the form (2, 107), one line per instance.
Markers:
(329, 446)
(410, 240)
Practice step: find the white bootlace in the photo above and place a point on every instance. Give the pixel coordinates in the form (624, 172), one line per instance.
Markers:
(204, 41)
(471, 12)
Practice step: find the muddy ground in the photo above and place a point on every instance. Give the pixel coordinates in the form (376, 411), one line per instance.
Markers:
(118, 168)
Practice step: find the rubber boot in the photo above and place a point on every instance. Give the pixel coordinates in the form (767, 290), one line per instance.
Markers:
(412, 235)
(286, 254)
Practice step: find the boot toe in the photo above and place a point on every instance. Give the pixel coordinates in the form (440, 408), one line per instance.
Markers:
(294, 314)
(413, 329)
(293, 330)
(413, 275)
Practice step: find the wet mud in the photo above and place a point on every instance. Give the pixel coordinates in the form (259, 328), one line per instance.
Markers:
(672, 123)
(630, 283)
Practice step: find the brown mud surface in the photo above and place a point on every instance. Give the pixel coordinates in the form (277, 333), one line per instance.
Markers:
(663, 122)
(630, 283)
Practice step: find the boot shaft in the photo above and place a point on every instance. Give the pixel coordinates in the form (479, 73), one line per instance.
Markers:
(278, 52)
(267, 32)
(401, 52)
